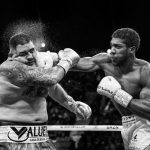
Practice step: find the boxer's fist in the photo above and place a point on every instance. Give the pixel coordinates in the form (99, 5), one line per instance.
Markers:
(46, 59)
(108, 86)
(80, 109)
(68, 58)
(70, 55)
(83, 111)
(111, 88)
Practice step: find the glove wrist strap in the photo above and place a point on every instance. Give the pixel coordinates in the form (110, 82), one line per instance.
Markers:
(64, 64)
(122, 97)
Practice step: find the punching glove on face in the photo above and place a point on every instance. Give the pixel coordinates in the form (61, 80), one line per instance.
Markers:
(68, 58)
(111, 88)
(46, 59)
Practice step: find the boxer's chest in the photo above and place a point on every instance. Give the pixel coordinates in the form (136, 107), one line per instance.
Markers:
(130, 82)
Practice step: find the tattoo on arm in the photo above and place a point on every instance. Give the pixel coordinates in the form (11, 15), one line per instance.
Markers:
(29, 75)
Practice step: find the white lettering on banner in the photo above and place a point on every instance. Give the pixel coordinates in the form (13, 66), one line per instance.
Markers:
(112, 127)
(73, 126)
(27, 133)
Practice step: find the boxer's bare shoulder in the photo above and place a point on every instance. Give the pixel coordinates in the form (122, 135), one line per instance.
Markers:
(142, 62)
(101, 58)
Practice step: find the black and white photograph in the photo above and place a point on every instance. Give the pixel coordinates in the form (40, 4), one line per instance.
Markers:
(74, 75)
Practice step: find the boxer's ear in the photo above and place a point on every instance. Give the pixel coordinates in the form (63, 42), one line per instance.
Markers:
(132, 49)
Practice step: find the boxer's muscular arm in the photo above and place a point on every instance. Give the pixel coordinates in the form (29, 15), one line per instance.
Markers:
(28, 75)
(80, 109)
(141, 106)
(89, 64)
(58, 94)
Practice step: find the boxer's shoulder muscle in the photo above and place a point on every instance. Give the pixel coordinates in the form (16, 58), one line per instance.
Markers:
(101, 58)
(141, 62)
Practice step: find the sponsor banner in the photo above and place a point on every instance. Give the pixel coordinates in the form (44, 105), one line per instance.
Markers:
(23, 134)
(84, 128)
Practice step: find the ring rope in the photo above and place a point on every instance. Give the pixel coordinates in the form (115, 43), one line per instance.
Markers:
(84, 127)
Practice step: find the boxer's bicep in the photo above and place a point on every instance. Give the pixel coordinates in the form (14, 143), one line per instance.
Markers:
(145, 93)
(145, 82)
(86, 64)
(141, 106)
(101, 58)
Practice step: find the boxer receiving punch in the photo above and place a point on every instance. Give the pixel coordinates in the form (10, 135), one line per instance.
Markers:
(24, 85)
(127, 84)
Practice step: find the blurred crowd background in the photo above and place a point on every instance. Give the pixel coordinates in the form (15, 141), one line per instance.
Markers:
(82, 87)
(86, 27)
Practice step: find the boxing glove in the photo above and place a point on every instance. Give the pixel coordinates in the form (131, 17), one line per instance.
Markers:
(44, 59)
(55, 58)
(80, 109)
(68, 58)
(111, 88)
(83, 111)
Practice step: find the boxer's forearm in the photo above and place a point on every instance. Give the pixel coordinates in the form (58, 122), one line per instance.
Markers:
(27, 75)
(45, 77)
(58, 94)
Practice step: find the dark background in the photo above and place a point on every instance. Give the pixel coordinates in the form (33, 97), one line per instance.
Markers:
(80, 24)
(85, 26)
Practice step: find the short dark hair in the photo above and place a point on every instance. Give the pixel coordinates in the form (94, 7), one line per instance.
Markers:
(130, 37)
(18, 39)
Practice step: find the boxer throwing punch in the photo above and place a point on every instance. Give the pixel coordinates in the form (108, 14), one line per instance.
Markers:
(127, 84)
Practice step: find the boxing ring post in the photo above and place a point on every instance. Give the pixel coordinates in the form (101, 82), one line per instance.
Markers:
(84, 127)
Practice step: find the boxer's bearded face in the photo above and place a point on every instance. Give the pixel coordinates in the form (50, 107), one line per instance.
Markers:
(25, 54)
(119, 51)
